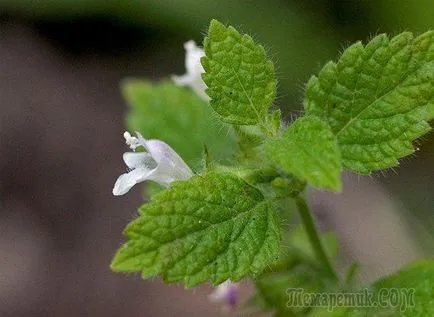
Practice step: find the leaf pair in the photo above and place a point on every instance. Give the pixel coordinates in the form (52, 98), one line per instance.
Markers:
(377, 99)
(373, 103)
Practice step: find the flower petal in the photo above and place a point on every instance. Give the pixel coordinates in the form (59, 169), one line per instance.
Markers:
(226, 293)
(139, 159)
(193, 54)
(126, 181)
(168, 161)
(194, 70)
(161, 177)
(183, 80)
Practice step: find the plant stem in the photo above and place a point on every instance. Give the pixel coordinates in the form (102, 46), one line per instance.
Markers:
(313, 235)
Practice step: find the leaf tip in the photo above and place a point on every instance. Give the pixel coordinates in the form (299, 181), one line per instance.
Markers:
(114, 265)
(216, 25)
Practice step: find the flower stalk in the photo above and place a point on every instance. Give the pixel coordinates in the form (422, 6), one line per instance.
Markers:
(312, 232)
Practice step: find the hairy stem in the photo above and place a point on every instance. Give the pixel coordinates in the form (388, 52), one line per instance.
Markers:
(313, 235)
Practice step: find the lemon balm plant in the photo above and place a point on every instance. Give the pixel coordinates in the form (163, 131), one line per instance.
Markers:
(218, 211)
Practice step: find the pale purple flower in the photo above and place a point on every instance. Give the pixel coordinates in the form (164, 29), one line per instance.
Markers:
(159, 163)
(194, 70)
(227, 293)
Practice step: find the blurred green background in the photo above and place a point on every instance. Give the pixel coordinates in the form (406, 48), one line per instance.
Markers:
(61, 123)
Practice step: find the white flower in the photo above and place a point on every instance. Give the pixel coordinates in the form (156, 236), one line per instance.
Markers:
(194, 70)
(160, 163)
(226, 293)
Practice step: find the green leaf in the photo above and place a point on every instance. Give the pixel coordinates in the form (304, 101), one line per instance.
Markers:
(376, 99)
(274, 287)
(297, 267)
(178, 117)
(352, 312)
(430, 113)
(213, 227)
(240, 78)
(308, 149)
(408, 293)
(418, 276)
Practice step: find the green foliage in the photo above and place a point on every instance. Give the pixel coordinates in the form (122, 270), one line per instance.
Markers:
(273, 288)
(362, 113)
(240, 79)
(352, 312)
(249, 138)
(296, 268)
(213, 227)
(308, 149)
(376, 99)
(408, 293)
(430, 112)
(418, 276)
(176, 115)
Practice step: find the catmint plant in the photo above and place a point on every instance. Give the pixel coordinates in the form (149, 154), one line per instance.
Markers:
(232, 172)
